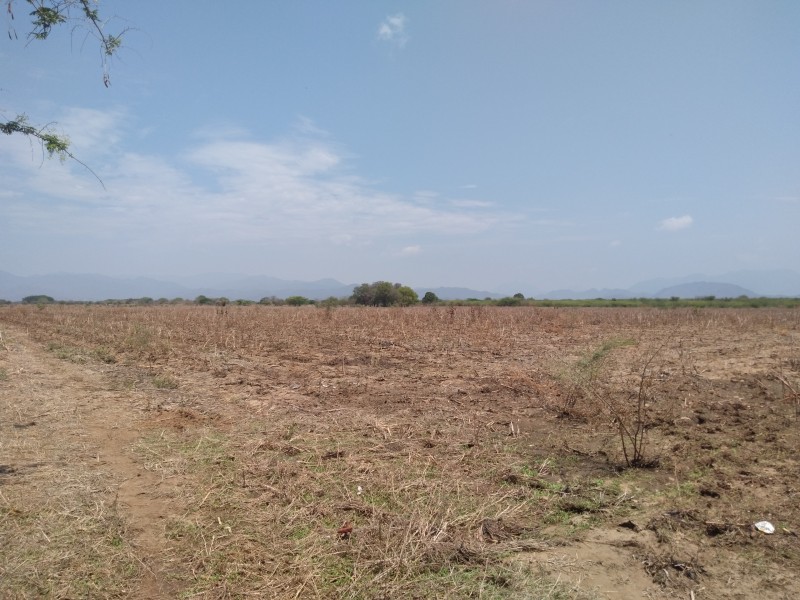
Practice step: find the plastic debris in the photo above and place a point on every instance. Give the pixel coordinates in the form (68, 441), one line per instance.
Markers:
(765, 527)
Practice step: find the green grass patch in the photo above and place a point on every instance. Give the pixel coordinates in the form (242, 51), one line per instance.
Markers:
(103, 355)
(165, 382)
(590, 364)
(66, 352)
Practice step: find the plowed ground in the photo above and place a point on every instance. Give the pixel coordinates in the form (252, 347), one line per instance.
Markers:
(455, 452)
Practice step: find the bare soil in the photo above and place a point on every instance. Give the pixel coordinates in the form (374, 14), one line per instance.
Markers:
(179, 451)
(70, 482)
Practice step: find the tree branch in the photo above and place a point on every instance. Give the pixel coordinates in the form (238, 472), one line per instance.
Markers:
(51, 142)
(45, 15)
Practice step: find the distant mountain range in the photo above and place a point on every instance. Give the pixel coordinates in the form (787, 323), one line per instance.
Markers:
(774, 283)
(70, 286)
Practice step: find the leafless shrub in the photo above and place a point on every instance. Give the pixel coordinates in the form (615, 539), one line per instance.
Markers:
(624, 397)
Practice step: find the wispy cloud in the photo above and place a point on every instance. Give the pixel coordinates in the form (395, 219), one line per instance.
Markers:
(225, 189)
(410, 251)
(393, 30)
(307, 126)
(471, 203)
(91, 131)
(676, 223)
(304, 187)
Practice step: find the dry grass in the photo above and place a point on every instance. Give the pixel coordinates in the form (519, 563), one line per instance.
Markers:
(428, 519)
(426, 452)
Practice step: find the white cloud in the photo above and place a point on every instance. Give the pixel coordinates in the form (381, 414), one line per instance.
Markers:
(471, 203)
(305, 186)
(306, 126)
(393, 30)
(676, 223)
(410, 251)
(91, 131)
(615, 243)
(224, 189)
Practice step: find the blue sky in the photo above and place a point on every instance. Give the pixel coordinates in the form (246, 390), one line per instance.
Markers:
(528, 144)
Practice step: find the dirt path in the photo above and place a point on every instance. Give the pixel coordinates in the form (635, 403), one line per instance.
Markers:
(66, 461)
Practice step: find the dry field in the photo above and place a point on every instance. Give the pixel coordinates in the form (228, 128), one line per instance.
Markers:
(428, 452)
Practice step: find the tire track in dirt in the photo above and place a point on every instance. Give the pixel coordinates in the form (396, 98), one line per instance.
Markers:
(59, 417)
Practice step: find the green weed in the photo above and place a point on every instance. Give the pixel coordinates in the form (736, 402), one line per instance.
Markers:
(165, 382)
(103, 355)
(68, 353)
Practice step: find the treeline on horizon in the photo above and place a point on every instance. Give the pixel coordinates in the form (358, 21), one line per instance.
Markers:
(385, 294)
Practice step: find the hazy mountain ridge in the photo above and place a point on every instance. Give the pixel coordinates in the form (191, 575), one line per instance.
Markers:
(63, 286)
(590, 294)
(77, 287)
(699, 289)
(72, 286)
(776, 282)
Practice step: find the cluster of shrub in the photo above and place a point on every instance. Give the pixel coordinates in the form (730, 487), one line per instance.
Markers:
(379, 293)
(384, 293)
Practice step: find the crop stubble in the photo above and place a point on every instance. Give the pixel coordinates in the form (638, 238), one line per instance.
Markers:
(423, 452)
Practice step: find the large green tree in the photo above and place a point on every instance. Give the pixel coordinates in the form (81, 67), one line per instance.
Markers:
(406, 296)
(44, 16)
(384, 293)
